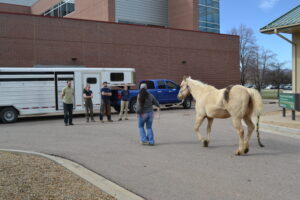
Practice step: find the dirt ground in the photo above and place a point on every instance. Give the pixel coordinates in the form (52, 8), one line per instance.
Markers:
(31, 177)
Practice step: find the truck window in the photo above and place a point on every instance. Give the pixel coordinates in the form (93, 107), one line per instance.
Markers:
(161, 85)
(116, 77)
(91, 80)
(150, 84)
(171, 85)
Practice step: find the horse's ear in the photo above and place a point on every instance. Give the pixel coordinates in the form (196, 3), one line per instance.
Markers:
(184, 78)
(189, 77)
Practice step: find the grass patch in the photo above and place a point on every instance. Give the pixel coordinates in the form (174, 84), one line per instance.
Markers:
(269, 94)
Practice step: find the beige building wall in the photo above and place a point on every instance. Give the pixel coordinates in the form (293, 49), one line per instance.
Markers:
(43, 5)
(296, 63)
(183, 14)
(101, 10)
(14, 8)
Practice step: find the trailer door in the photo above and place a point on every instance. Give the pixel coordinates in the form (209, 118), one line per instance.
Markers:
(61, 79)
(95, 82)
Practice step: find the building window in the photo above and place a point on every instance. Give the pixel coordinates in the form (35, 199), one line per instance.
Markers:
(209, 16)
(61, 9)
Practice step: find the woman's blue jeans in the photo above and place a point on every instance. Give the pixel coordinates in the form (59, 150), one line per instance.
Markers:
(146, 118)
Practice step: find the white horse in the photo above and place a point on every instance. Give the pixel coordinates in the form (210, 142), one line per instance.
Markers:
(236, 101)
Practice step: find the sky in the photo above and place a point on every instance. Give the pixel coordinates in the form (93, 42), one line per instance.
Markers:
(255, 14)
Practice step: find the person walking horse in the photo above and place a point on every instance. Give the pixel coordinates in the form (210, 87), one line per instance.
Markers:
(145, 100)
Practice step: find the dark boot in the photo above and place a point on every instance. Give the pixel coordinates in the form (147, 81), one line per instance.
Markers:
(109, 118)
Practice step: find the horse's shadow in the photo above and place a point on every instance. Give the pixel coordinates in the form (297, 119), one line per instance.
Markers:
(272, 147)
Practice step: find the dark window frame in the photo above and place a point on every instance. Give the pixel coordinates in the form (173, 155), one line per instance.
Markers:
(117, 76)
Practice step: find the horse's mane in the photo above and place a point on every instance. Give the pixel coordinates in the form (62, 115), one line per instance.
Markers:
(200, 83)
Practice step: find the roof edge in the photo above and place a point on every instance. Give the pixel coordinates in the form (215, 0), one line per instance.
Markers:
(279, 28)
(107, 22)
(280, 17)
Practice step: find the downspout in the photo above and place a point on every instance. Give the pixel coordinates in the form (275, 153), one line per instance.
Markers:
(294, 57)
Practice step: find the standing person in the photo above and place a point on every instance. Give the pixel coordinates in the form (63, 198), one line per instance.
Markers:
(105, 103)
(124, 103)
(88, 102)
(145, 101)
(67, 95)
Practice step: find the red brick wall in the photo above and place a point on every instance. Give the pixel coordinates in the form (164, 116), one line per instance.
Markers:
(14, 8)
(153, 52)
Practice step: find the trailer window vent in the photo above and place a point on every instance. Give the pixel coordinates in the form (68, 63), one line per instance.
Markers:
(117, 77)
(91, 80)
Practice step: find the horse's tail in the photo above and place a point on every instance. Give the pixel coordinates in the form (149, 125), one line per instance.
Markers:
(257, 109)
(256, 101)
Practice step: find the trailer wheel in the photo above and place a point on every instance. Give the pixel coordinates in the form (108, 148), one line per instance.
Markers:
(8, 115)
(132, 106)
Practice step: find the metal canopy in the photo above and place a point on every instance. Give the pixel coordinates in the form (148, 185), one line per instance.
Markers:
(287, 23)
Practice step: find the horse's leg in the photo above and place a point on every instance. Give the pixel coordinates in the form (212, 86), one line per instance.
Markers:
(208, 131)
(237, 123)
(250, 125)
(198, 122)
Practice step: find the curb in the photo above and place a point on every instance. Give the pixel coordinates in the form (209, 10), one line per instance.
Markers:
(95, 179)
(280, 130)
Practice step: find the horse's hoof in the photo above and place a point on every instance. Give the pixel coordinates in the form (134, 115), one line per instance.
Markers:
(246, 150)
(238, 153)
(205, 143)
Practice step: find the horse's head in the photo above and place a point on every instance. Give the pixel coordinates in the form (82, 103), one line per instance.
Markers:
(184, 89)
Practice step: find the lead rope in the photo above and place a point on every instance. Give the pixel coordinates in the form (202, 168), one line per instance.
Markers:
(158, 115)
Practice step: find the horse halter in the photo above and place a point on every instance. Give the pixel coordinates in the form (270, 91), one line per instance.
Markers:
(186, 88)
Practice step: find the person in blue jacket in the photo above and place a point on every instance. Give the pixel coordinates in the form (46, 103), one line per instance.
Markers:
(105, 102)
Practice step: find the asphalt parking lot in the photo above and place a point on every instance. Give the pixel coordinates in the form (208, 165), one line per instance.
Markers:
(177, 167)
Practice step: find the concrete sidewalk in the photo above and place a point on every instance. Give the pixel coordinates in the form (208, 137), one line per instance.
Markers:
(273, 121)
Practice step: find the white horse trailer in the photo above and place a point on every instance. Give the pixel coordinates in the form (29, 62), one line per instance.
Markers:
(31, 91)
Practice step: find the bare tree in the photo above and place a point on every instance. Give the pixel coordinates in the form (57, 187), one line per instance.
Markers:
(247, 43)
(261, 60)
(277, 74)
(267, 58)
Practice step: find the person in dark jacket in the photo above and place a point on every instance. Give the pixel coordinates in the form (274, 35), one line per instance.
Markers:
(88, 102)
(124, 103)
(145, 102)
(105, 102)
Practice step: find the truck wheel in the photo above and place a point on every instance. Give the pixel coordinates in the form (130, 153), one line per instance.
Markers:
(8, 115)
(187, 104)
(132, 106)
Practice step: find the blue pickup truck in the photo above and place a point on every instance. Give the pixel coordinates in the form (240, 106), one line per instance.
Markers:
(165, 91)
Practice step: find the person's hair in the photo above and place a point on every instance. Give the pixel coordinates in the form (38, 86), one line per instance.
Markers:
(69, 81)
(142, 96)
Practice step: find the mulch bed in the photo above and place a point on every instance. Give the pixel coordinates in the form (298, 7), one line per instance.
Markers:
(30, 177)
